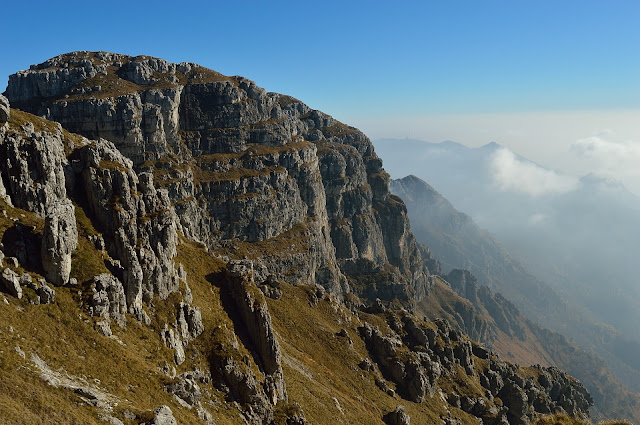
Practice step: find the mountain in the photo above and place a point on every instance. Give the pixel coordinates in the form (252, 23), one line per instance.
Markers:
(457, 242)
(180, 246)
(579, 236)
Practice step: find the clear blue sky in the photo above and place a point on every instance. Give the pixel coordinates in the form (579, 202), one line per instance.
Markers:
(365, 58)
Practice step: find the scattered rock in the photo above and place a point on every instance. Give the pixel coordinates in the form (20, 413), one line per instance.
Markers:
(47, 294)
(163, 416)
(397, 417)
(11, 283)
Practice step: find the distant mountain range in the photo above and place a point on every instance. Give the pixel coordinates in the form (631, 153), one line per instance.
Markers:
(578, 236)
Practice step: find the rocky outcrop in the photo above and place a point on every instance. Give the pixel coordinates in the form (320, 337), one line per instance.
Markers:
(59, 240)
(232, 374)
(397, 417)
(33, 167)
(138, 220)
(5, 110)
(414, 356)
(108, 299)
(239, 164)
(189, 322)
(11, 283)
(415, 375)
(505, 315)
(252, 307)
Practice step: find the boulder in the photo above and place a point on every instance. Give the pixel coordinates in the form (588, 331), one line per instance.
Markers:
(47, 294)
(163, 416)
(59, 240)
(397, 417)
(11, 283)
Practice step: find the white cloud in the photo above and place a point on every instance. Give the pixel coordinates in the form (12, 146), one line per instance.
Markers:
(611, 158)
(537, 218)
(607, 152)
(511, 174)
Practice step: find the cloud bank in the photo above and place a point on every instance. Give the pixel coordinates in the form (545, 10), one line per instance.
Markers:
(511, 174)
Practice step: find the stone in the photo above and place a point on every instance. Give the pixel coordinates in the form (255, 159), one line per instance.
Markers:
(104, 327)
(5, 110)
(172, 340)
(108, 299)
(163, 416)
(59, 240)
(46, 293)
(11, 283)
(27, 280)
(186, 389)
(189, 322)
(397, 417)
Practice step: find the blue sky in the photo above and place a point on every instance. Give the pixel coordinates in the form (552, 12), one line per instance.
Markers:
(369, 58)
(371, 62)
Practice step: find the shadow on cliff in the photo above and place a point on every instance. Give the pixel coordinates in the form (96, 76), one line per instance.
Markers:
(218, 280)
(23, 243)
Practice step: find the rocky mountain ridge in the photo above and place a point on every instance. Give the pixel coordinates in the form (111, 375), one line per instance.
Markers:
(183, 214)
(459, 242)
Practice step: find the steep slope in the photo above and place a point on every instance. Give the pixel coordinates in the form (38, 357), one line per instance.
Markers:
(563, 239)
(563, 229)
(458, 242)
(238, 163)
(202, 271)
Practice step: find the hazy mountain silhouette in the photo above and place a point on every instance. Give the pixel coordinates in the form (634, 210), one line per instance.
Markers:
(579, 236)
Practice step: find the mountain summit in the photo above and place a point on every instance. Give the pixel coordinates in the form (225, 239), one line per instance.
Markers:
(181, 246)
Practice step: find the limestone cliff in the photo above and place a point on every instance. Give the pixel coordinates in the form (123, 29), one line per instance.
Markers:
(186, 212)
(239, 164)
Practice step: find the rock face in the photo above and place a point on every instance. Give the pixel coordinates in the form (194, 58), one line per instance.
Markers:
(239, 165)
(59, 240)
(415, 356)
(5, 110)
(253, 309)
(33, 166)
(108, 299)
(278, 191)
(137, 217)
(504, 313)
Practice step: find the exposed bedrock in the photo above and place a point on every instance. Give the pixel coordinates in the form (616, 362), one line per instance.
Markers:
(238, 163)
